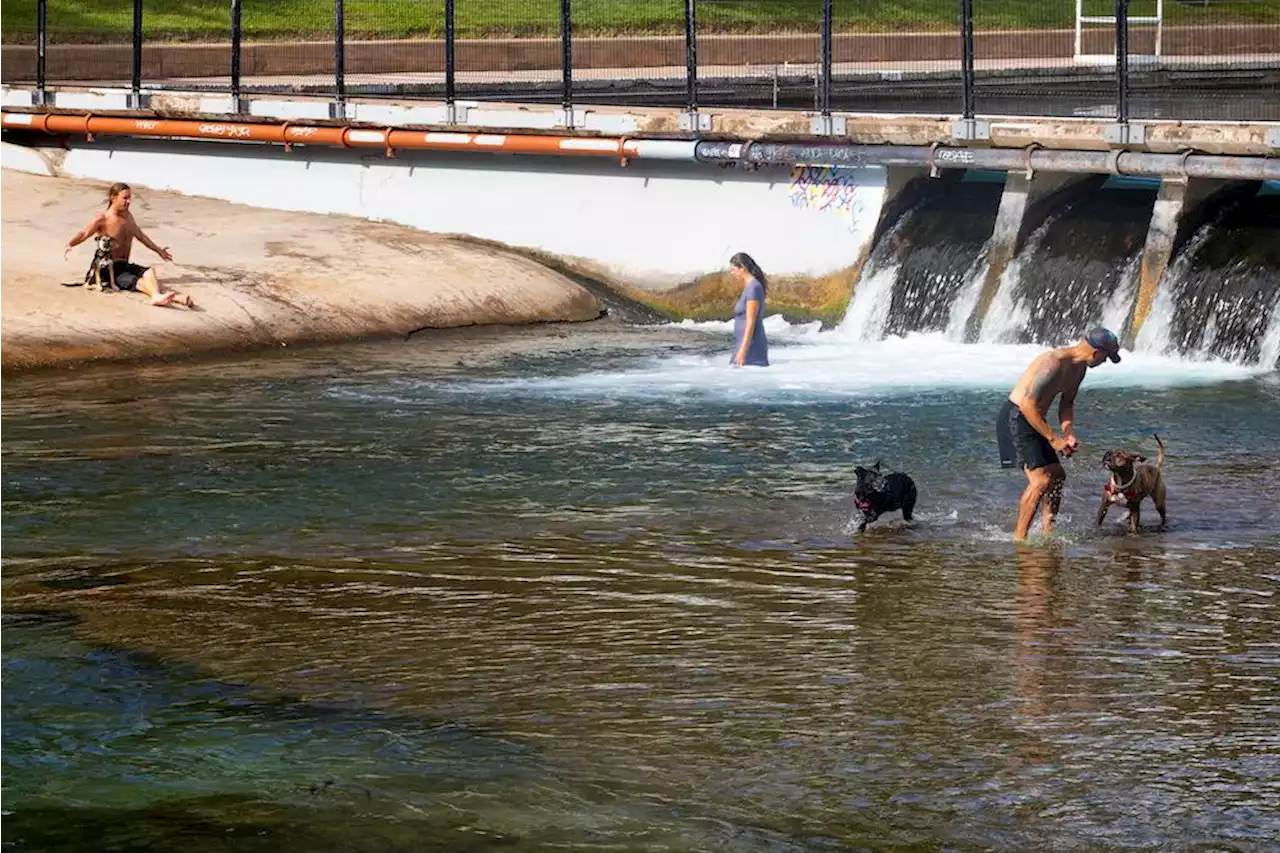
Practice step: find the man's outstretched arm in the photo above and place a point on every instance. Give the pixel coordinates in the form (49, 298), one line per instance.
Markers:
(146, 241)
(84, 234)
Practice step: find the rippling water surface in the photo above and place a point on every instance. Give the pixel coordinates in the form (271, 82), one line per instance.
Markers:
(591, 588)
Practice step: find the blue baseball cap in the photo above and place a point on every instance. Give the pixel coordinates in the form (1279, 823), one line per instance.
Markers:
(1105, 341)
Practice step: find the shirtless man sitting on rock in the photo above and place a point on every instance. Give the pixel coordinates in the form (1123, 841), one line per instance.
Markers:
(1023, 433)
(118, 223)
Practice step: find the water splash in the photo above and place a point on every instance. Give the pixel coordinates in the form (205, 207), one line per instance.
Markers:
(809, 366)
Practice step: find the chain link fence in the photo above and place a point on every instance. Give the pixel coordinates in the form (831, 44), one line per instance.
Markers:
(1116, 59)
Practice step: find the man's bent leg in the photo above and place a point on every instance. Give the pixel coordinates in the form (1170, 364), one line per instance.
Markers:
(1038, 480)
(1053, 495)
(150, 285)
(1036, 484)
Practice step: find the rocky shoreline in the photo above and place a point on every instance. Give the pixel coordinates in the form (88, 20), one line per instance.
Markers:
(260, 278)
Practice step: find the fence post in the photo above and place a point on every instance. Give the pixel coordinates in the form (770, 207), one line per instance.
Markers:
(966, 57)
(237, 35)
(566, 59)
(691, 54)
(824, 98)
(450, 70)
(1122, 61)
(136, 76)
(339, 109)
(42, 25)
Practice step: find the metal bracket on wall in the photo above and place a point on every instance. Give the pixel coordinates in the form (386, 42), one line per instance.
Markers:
(695, 121)
(455, 114)
(970, 130)
(570, 118)
(338, 109)
(821, 125)
(1125, 134)
(138, 100)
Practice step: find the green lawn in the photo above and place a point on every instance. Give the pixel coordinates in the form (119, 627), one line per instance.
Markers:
(197, 20)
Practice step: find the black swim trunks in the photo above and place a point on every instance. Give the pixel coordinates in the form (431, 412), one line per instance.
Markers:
(1020, 444)
(127, 274)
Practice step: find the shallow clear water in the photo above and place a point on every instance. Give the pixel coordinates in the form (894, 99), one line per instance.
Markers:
(590, 587)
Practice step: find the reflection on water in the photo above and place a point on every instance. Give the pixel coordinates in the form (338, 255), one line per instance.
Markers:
(370, 598)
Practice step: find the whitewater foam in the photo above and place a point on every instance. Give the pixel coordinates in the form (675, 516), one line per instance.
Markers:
(809, 365)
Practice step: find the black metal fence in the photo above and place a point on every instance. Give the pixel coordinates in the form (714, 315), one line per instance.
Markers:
(1123, 59)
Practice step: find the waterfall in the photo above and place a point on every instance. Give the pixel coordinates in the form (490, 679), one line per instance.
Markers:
(925, 272)
(1219, 297)
(1156, 333)
(865, 318)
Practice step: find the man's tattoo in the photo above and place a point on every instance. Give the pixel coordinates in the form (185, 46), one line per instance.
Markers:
(1041, 381)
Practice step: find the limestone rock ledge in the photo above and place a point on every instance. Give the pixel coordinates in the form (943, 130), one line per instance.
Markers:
(260, 278)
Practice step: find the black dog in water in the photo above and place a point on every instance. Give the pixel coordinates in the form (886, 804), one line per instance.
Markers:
(877, 493)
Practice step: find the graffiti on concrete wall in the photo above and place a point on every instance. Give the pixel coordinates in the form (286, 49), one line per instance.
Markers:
(826, 188)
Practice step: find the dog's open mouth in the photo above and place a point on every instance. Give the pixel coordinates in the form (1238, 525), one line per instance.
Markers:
(862, 504)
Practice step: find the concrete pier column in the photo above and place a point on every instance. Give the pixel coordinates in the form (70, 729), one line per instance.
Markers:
(1173, 217)
(1024, 205)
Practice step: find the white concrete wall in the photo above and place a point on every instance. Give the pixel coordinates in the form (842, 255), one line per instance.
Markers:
(652, 223)
(21, 159)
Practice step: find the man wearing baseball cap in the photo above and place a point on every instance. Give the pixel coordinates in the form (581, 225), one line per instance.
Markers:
(1023, 433)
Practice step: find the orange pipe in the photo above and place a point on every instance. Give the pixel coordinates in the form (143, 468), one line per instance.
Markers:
(346, 137)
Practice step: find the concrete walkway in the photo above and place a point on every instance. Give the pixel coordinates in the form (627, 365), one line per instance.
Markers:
(274, 59)
(674, 77)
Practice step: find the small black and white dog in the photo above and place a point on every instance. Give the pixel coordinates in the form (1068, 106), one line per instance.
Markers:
(877, 493)
(101, 274)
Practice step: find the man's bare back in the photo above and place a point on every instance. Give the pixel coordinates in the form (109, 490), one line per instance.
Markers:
(1050, 374)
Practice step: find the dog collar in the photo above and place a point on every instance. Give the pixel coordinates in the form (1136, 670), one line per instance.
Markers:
(1123, 488)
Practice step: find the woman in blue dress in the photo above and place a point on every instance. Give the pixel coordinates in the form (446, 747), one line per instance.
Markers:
(750, 345)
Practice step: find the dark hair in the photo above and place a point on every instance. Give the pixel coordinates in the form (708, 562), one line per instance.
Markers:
(115, 190)
(742, 260)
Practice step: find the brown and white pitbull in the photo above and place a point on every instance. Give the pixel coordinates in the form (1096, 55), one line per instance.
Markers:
(1130, 480)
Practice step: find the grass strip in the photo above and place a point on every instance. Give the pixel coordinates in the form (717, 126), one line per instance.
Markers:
(100, 21)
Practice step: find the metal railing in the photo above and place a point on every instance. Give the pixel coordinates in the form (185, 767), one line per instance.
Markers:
(1217, 59)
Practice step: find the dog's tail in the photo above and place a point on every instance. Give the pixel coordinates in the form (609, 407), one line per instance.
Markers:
(1160, 455)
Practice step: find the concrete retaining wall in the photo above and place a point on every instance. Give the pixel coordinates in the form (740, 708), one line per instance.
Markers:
(651, 224)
